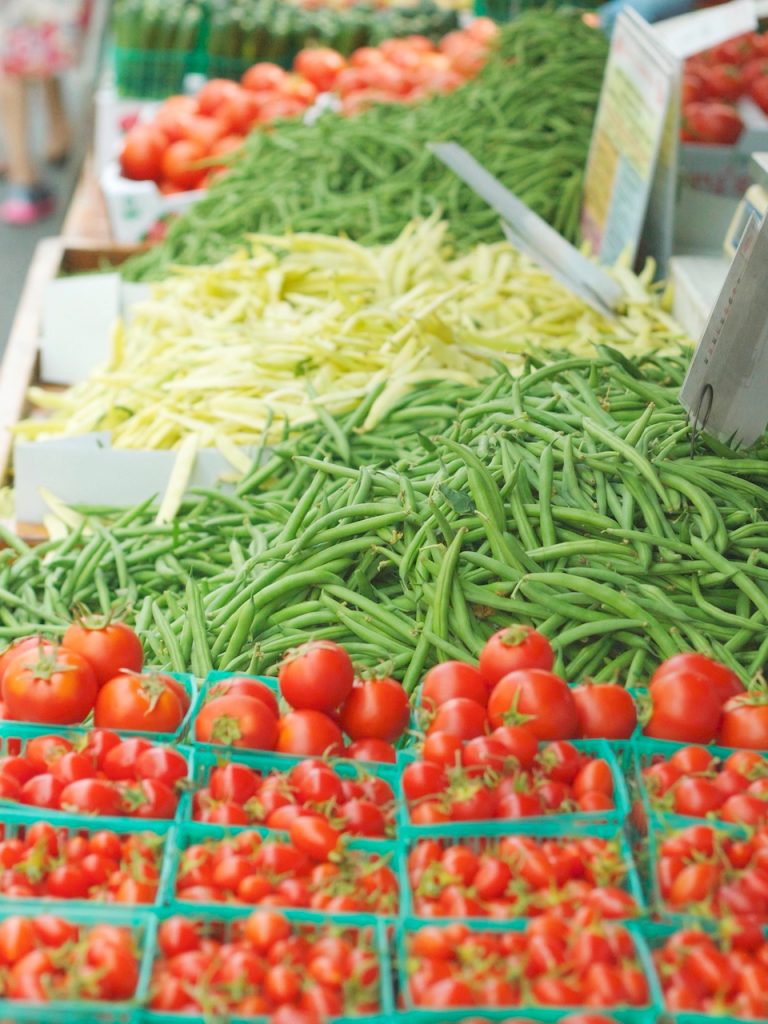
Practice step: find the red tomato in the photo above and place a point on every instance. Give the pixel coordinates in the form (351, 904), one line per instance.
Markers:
(606, 711)
(460, 717)
(279, 108)
(453, 679)
(686, 707)
(214, 93)
(263, 928)
(519, 741)
(20, 647)
(711, 122)
(309, 732)
(423, 778)
(697, 797)
(237, 721)
(264, 77)
(163, 764)
(51, 684)
(745, 722)
(318, 676)
(689, 760)
(542, 701)
(147, 703)
(758, 91)
(141, 158)
(372, 750)
(91, 796)
(319, 65)
(376, 708)
(754, 69)
(314, 836)
(245, 686)
(181, 163)
(723, 82)
(513, 648)
(109, 649)
(725, 679)
(693, 87)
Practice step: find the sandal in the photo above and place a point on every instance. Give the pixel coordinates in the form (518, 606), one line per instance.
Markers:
(27, 205)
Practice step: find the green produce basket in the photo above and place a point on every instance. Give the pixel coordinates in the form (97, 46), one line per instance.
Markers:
(643, 752)
(266, 764)
(219, 921)
(143, 925)
(629, 1014)
(648, 858)
(186, 680)
(188, 835)
(14, 737)
(501, 826)
(17, 822)
(154, 74)
(220, 749)
(545, 1015)
(478, 843)
(654, 936)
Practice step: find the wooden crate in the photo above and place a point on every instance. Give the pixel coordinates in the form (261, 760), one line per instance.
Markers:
(20, 368)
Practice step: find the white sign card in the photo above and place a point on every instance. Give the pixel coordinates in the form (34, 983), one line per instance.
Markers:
(725, 390)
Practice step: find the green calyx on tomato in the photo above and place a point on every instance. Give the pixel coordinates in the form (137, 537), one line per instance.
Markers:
(226, 730)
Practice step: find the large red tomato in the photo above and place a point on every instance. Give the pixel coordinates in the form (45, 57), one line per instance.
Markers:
(142, 154)
(453, 679)
(237, 720)
(310, 733)
(725, 679)
(376, 709)
(605, 711)
(51, 685)
(686, 706)
(28, 643)
(318, 676)
(109, 649)
(540, 699)
(745, 722)
(148, 703)
(513, 648)
(320, 66)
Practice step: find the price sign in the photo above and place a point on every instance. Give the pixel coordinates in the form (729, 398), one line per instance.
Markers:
(631, 120)
(726, 388)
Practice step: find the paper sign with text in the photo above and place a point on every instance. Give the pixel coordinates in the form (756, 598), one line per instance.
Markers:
(726, 388)
(630, 123)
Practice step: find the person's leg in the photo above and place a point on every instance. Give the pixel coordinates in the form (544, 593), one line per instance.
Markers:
(27, 200)
(58, 122)
(14, 113)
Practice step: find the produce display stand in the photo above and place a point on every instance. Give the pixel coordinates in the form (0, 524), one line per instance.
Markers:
(397, 655)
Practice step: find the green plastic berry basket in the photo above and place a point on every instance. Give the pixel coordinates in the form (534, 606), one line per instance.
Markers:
(187, 681)
(269, 764)
(221, 920)
(16, 825)
(189, 835)
(566, 822)
(630, 1014)
(643, 753)
(217, 748)
(648, 858)
(141, 923)
(654, 935)
(14, 737)
(479, 842)
(544, 1015)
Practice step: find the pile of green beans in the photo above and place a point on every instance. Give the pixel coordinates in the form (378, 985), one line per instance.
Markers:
(567, 498)
(528, 117)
